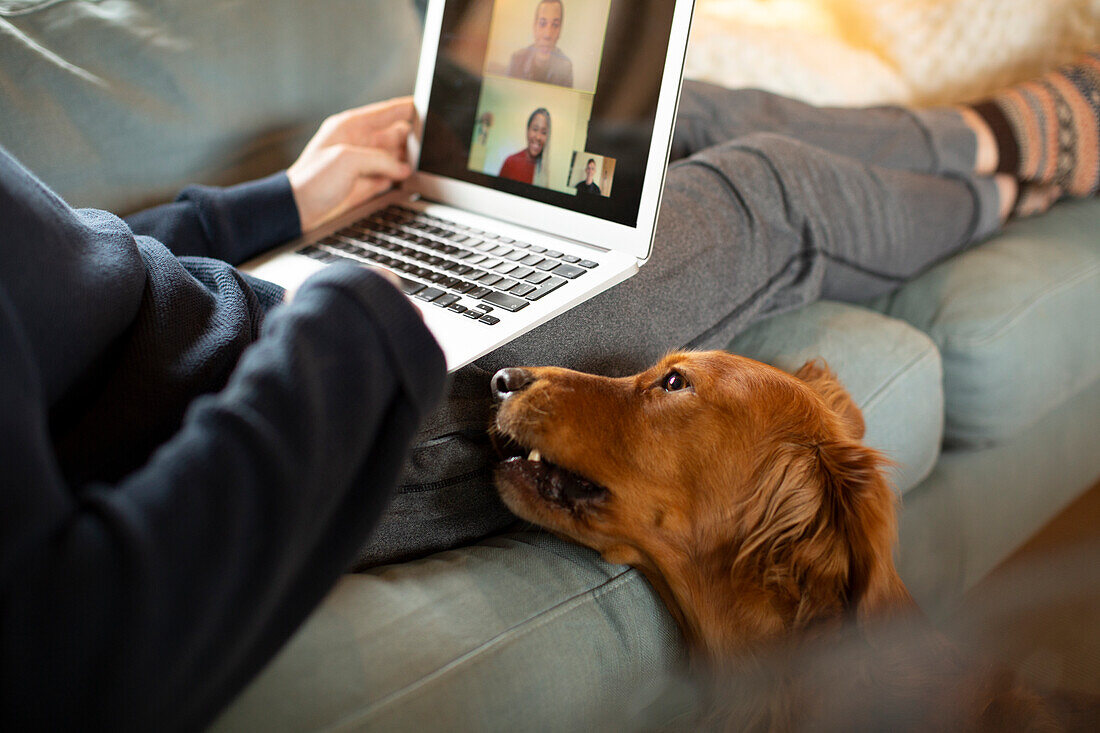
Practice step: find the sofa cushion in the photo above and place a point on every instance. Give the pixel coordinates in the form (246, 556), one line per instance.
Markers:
(1016, 321)
(891, 369)
(118, 105)
(521, 632)
(978, 506)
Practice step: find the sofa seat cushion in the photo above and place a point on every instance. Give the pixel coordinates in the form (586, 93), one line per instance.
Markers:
(891, 369)
(1017, 321)
(521, 632)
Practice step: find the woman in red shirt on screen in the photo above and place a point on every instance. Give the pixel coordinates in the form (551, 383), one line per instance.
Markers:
(528, 166)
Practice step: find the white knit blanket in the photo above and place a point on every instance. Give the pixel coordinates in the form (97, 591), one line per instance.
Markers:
(854, 52)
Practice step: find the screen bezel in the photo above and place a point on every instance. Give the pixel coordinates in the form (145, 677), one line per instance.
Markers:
(636, 240)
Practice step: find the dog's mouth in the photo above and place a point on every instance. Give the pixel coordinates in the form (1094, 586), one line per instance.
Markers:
(525, 467)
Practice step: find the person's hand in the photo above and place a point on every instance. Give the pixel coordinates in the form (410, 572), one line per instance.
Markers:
(355, 155)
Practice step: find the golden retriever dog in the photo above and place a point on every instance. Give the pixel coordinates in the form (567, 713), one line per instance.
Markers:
(745, 496)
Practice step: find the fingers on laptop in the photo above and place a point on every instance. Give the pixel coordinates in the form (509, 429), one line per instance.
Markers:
(371, 124)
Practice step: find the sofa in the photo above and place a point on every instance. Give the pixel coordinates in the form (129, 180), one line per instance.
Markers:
(980, 379)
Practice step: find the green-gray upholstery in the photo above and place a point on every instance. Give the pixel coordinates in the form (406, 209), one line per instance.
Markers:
(121, 103)
(1016, 323)
(991, 356)
(978, 505)
(510, 634)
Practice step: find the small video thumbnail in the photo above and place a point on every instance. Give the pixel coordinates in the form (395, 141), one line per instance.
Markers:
(591, 174)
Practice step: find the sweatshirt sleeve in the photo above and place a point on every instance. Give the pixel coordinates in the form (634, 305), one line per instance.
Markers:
(150, 603)
(230, 224)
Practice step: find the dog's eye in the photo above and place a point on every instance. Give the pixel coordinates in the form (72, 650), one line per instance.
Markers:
(674, 381)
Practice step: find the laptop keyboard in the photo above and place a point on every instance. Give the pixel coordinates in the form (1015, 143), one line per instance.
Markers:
(464, 270)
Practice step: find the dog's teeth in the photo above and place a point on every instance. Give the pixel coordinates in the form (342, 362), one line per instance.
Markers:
(534, 456)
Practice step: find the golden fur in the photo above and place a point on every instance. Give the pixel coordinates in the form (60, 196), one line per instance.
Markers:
(745, 496)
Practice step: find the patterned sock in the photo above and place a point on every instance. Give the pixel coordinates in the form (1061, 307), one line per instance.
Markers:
(1048, 131)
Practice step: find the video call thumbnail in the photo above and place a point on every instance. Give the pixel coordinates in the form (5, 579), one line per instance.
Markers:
(592, 174)
(534, 41)
(529, 135)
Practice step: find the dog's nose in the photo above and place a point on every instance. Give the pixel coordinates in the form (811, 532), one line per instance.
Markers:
(508, 381)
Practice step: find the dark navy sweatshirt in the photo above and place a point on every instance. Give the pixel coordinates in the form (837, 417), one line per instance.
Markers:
(186, 467)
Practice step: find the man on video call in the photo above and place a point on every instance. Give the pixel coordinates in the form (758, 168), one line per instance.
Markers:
(542, 61)
(588, 186)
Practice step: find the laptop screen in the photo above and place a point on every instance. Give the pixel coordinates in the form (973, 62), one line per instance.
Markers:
(552, 100)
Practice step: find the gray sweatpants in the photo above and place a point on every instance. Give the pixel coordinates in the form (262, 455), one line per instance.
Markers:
(769, 204)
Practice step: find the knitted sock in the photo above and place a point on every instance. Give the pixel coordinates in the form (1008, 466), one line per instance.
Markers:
(1048, 131)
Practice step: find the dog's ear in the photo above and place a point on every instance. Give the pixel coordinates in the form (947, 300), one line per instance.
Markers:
(861, 509)
(821, 526)
(861, 506)
(820, 378)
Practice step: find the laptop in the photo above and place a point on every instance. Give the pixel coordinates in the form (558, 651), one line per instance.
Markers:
(537, 169)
